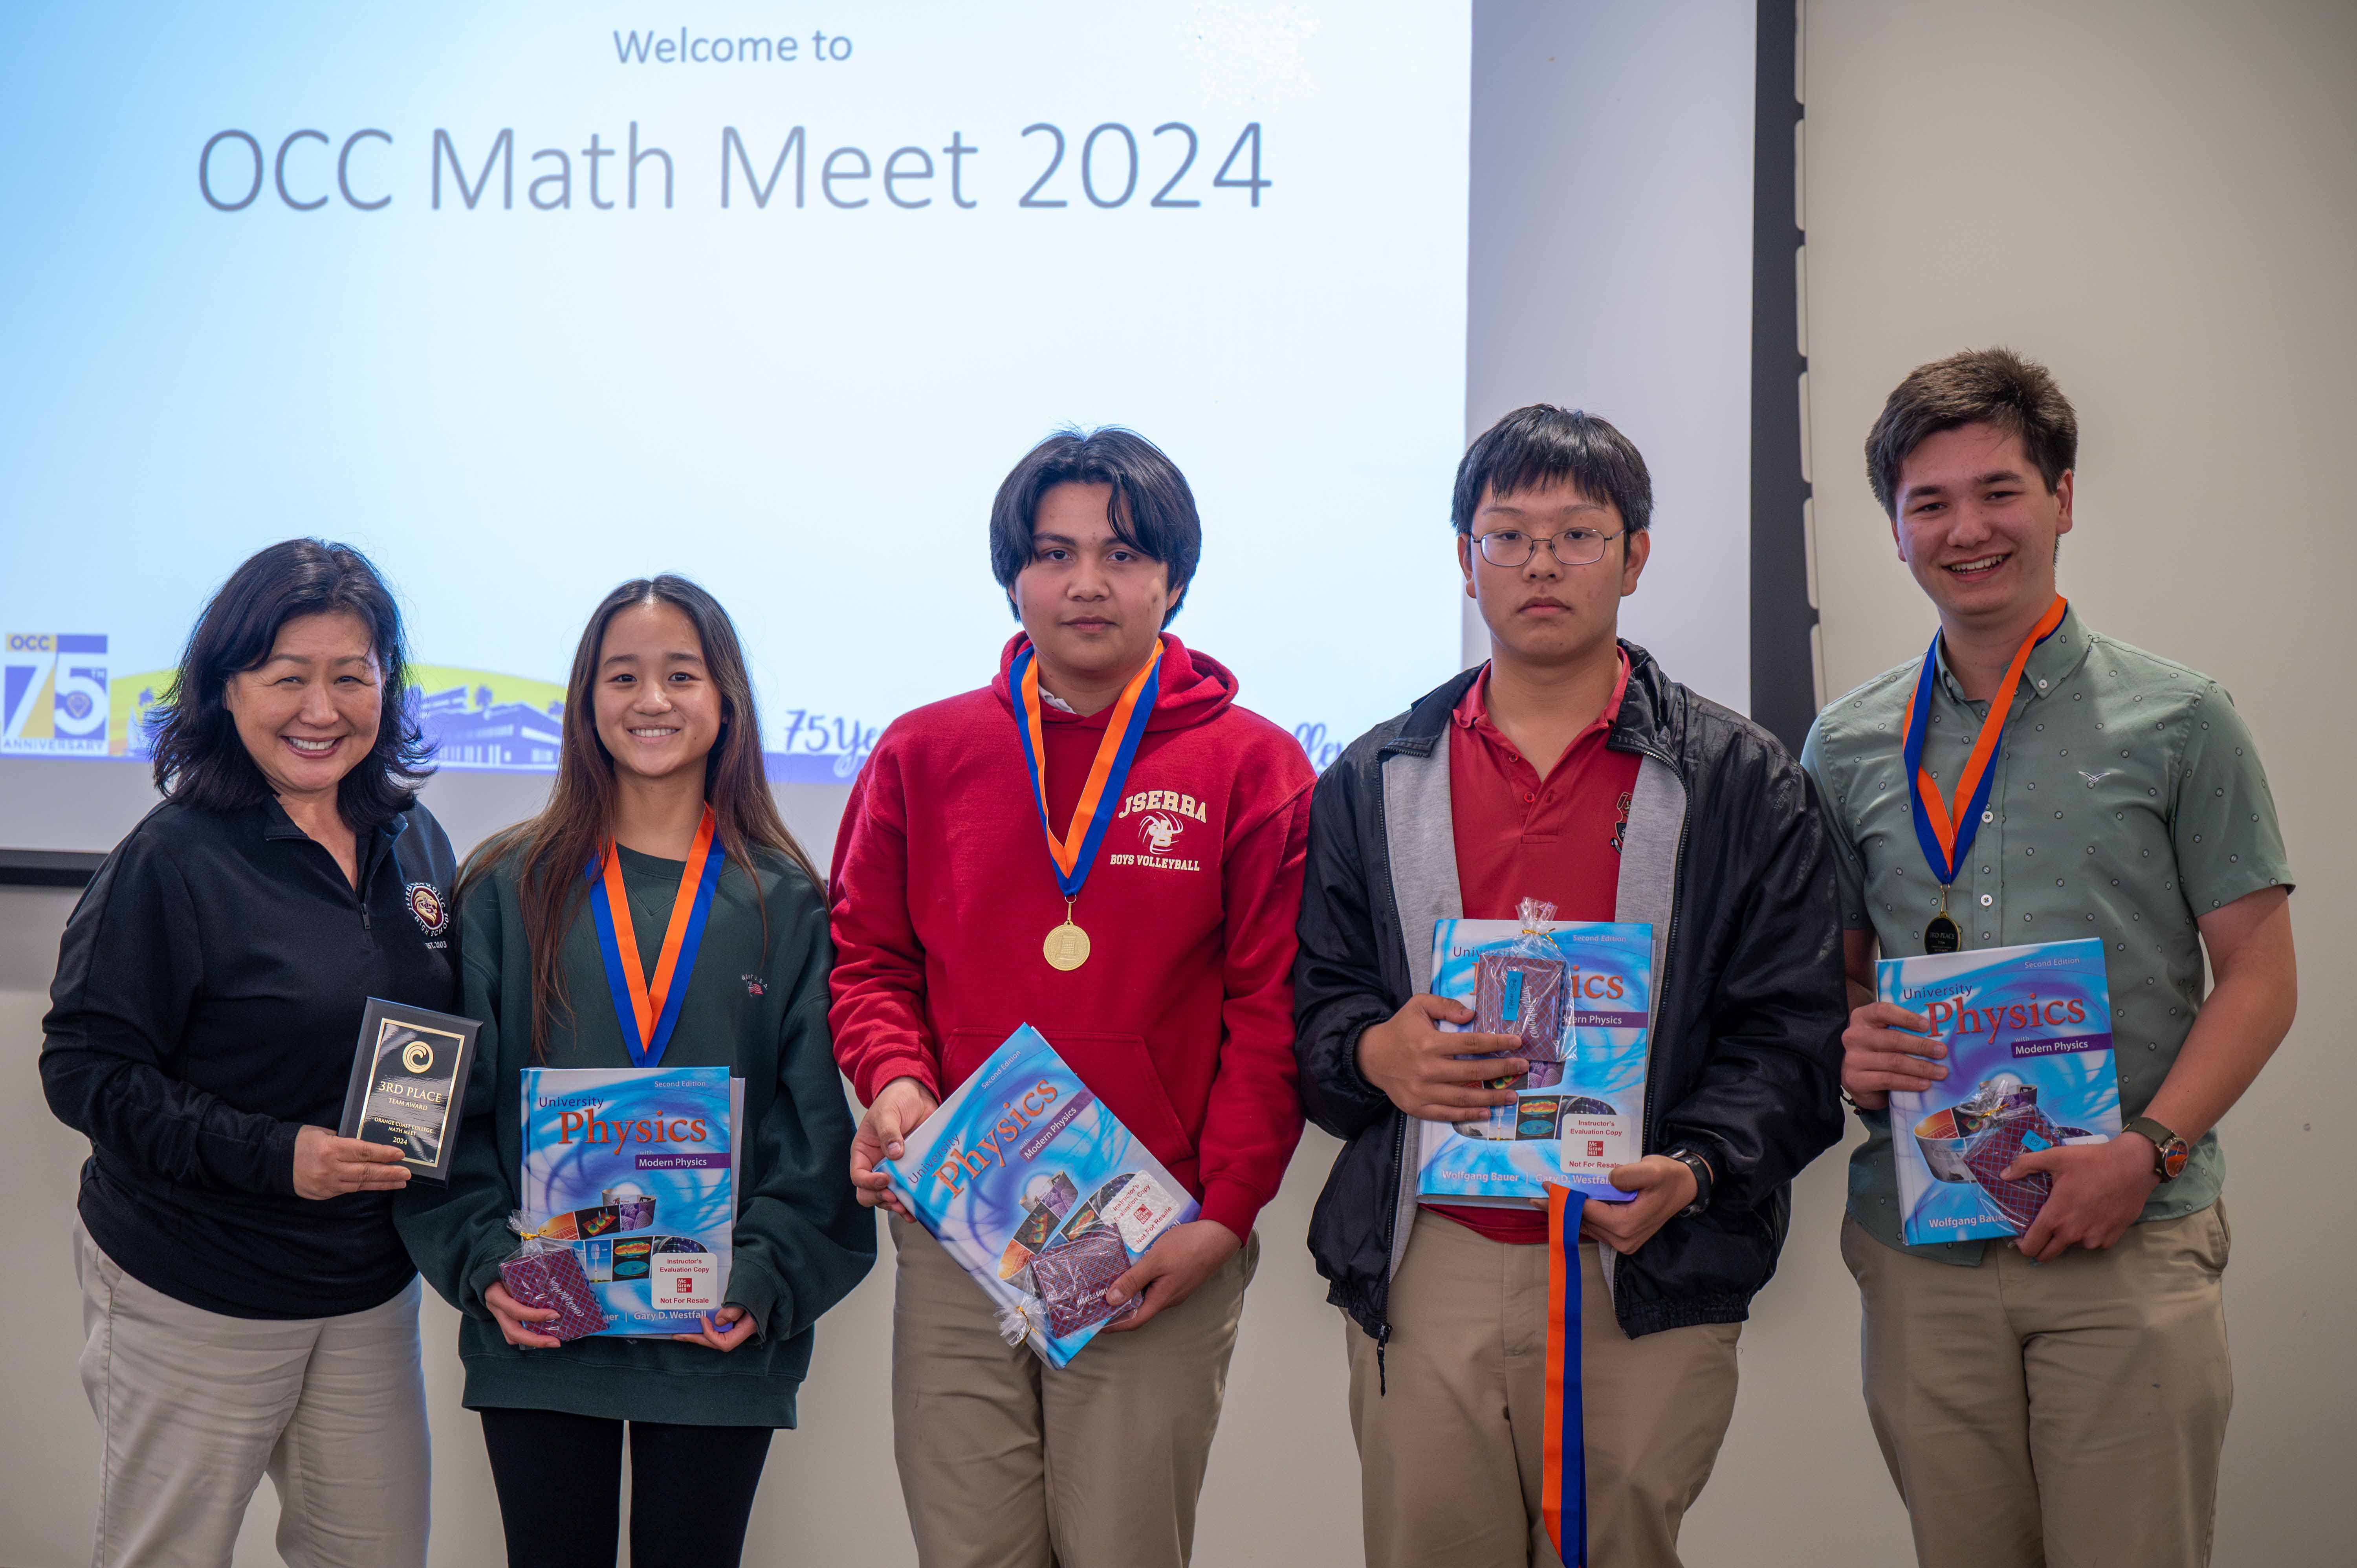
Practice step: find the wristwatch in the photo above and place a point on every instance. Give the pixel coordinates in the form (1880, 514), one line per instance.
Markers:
(2170, 1152)
(1701, 1168)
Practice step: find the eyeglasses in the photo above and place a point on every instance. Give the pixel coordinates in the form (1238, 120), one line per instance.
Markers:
(1573, 546)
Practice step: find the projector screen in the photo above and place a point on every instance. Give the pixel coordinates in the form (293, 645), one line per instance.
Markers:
(528, 300)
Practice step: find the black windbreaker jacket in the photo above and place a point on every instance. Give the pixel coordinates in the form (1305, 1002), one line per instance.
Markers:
(206, 1009)
(1726, 855)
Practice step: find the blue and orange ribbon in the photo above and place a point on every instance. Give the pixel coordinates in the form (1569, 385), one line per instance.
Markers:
(1563, 1474)
(1076, 850)
(1945, 831)
(649, 1010)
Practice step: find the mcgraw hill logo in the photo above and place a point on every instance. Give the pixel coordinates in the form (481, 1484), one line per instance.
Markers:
(53, 696)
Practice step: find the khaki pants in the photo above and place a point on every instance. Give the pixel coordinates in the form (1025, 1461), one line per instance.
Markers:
(1006, 1462)
(1451, 1431)
(194, 1408)
(2052, 1415)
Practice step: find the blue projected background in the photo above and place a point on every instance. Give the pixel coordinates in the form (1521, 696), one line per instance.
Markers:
(526, 300)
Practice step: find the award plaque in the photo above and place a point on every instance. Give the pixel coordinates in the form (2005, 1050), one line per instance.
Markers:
(409, 1082)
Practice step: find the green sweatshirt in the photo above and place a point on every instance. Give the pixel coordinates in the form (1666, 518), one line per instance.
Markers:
(756, 1005)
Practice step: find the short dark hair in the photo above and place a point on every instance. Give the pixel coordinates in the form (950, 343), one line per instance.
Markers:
(200, 761)
(1542, 444)
(1153, 511)
(1979, 386)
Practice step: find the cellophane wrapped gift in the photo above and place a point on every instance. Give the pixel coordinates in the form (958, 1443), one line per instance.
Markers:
(1073, 1275)
(1574, 995)
(545, 1274)
(1518, 989)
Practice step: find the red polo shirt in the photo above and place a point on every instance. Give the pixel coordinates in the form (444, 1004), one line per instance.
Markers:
(1520, 836)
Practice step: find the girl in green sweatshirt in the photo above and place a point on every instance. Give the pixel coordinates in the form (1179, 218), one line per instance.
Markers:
(660, 732)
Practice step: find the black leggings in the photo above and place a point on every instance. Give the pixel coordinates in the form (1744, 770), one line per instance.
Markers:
(560, 1484)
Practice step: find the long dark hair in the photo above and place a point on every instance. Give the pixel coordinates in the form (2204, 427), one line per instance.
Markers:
(553, 849)
(200, 761)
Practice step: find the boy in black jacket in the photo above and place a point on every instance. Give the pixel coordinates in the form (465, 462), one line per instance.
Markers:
(1569, 769)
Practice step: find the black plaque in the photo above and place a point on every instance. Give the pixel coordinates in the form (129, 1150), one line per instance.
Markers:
(409, 1083)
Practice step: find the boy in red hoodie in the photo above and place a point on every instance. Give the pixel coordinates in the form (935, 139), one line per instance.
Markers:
(1159, 966)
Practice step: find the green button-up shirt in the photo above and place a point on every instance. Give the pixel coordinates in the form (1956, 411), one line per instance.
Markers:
(2129, 802)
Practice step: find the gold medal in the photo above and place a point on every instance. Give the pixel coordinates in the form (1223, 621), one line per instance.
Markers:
(1067, 947)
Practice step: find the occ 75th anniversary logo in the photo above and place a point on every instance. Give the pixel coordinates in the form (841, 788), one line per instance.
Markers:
(53, 698)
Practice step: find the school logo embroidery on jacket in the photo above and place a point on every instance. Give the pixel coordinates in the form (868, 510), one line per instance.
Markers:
(426, 908)
(1162, 818)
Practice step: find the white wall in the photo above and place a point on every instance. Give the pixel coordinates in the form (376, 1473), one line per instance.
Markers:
(2161, 201)
(1611, 151)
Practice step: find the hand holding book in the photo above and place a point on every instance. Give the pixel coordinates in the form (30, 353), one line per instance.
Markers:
(1173, 1270)
(901, 1108)
(722, 1330)
(1434, 1075)
(1564, 1009)
(1050, 1204)
(2026, 1071)
(629, 1182)
(1886, 1049)
(1663, 1186)
(2099, 1191)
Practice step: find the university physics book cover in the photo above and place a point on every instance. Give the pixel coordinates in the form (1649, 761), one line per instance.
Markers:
(1038, 1192)
(635, 1169)
(1579, 993)
(2028, 1032)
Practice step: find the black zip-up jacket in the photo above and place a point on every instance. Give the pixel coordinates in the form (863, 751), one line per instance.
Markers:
(1725, 854)
(206, 1008)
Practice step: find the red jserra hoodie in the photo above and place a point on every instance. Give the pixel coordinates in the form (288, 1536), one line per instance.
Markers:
(1181, 1020)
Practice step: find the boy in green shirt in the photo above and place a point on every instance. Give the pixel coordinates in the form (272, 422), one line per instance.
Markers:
(2061, 1399)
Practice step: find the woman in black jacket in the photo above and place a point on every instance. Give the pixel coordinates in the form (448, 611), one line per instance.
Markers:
(248, 1306)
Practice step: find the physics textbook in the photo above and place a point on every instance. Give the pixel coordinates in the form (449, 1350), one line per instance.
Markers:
(2028, 1032)
(1579, 993)
(635, 1169)
(1039, 1192)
